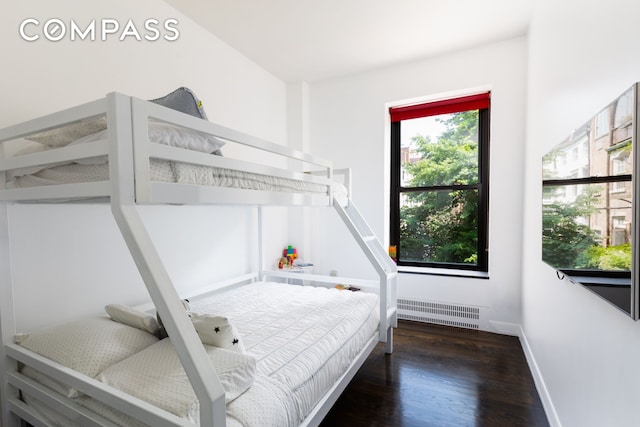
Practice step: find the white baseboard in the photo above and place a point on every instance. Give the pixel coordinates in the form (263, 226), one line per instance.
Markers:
(545, 397)
(505, 328)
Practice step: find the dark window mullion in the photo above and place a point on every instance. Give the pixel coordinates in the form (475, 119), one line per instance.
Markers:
(441, 188)
(483, 190)
(394, 232)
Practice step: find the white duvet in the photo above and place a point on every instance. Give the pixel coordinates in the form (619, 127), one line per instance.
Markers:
(303, 339)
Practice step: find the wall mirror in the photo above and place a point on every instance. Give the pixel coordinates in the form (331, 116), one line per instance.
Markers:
(590, 202)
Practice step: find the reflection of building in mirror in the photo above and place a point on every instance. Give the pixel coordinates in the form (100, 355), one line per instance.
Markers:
(588, 197)
(587, 179)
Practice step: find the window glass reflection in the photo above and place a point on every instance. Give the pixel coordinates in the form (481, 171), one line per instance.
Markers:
(602, 147)
(587, 226)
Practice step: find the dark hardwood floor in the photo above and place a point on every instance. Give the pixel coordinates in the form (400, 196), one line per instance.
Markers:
(440, 376)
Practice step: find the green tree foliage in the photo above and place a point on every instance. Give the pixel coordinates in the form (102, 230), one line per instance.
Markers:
(606, 258)
(564, 239)
(441, 226)
(568, 244)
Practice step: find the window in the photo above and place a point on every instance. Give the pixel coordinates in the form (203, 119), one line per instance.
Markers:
(602, 124)
(440, 183)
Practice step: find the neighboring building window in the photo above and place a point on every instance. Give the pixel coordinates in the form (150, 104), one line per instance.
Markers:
(440, 183)
(624, 110)
(602, 124)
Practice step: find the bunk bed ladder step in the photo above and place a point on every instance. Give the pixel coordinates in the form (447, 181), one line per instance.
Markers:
(366, 237)
(384, 265)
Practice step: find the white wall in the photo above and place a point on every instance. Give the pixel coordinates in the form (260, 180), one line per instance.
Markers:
(349, 124)
(581, 56)
(80, 246)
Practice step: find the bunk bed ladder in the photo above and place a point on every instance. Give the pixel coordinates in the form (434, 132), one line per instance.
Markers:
(383, 264)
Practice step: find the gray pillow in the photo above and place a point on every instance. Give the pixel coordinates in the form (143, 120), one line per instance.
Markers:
(184, 100)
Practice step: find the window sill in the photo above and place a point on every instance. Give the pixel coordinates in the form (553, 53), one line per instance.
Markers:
(443, 272)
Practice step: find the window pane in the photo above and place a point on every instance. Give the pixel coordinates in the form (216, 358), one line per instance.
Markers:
(439, 226)
(574, 159)
(585, 154)
(587, 226)
(624, 109)
(440, 150)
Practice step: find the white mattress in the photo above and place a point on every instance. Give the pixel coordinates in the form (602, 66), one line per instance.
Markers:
(96, 168)
(167, 171)
(303, 338)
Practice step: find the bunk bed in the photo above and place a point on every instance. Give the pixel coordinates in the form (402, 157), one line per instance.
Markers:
(130, 152)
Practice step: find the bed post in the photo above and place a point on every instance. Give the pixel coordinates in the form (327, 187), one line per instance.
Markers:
(7, 323)
(260, 246)
(186, 342)
(7, 314)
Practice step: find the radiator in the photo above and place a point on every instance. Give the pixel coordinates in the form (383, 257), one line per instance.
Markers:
(462, 316)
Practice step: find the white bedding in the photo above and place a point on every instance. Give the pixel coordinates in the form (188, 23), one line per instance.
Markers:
(167, 171)
(301, 338)
(96, 168)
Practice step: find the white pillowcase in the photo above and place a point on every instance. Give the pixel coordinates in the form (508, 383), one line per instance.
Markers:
(157, 376)
(88, 346)
(216, 331)
(134, 318)
(61, 136)
(159, 132)
(176, 136)
(30, 148)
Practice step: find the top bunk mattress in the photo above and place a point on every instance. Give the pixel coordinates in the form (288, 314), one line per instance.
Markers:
(176, 172)
(96, 169)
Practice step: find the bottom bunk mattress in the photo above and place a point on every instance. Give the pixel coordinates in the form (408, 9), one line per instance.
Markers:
(300, 340)
(303, 338)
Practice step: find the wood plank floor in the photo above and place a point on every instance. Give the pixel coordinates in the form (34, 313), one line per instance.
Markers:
(442, 377)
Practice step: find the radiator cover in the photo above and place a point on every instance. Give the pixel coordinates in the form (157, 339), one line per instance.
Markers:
(463, 316)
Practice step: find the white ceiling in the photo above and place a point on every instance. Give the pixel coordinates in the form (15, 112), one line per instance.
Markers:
(316, 39)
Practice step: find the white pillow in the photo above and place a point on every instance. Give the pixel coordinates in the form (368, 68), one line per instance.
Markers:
(30, 148)
(88, 346)
(137, 319)
(216, 331)
(64, 135)
(176, 136)
(159, 132)
(157, 376)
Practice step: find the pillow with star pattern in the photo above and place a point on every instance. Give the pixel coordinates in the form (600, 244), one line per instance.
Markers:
(216, 331)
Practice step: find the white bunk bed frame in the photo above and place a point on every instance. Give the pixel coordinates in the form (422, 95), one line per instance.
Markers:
(128, 150)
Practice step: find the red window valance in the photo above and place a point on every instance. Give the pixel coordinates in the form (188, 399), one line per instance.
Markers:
(445, 106)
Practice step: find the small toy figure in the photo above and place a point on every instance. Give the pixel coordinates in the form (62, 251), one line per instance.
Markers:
(290, 253)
